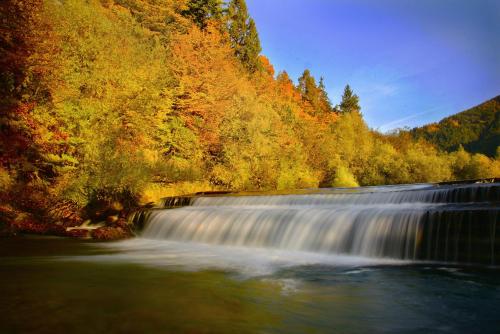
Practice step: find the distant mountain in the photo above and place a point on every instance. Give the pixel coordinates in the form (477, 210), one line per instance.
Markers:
(476, 129)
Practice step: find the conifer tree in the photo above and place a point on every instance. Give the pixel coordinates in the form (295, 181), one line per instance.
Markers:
(326, 104)
(314, 94)
(322, 84)
(200, 11)
(350, 101)
(243, 34)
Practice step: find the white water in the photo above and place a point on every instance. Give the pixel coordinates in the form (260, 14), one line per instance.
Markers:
(246, 261)
(360, 230)
(377, 222)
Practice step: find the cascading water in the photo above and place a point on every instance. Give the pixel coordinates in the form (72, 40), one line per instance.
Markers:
(456, 223)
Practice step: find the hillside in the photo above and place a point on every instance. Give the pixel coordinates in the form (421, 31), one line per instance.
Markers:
(476, 129)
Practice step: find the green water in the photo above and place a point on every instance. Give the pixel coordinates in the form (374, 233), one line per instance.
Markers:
(51, 285)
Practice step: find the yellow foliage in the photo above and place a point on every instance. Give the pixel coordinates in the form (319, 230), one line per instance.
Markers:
(344, 178)
(154, 192)
(6, 180)
(432, 127)
(132, 97)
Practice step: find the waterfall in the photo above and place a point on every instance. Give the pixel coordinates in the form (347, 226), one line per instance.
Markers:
(418, 222)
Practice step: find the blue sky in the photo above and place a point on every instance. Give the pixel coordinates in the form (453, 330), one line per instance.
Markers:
(411, 61)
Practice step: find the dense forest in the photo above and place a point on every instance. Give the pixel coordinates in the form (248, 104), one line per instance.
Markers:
(125, 101)
(477, 130)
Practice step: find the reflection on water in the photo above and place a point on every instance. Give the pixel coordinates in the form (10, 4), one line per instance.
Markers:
(51, 285)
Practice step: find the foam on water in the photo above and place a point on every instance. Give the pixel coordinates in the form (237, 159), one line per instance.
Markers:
(422, 222)
(246, 261)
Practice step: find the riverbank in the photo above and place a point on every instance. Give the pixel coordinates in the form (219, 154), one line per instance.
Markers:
(109, 220)
(14, 223)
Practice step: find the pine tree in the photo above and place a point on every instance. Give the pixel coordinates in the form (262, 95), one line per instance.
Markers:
(200, 11)
(314, 94)
(350, 101)
(322, 84)
(326, 104)
(243, 34)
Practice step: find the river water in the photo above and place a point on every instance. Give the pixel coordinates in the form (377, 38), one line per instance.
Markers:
(235, 265)
(52, 285)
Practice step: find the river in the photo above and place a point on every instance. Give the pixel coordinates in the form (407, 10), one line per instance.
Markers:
(235, 265)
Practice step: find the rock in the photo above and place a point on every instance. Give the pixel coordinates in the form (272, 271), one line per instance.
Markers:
(78, 233)
(54, 229)
(110, 233)
(122, 223)
(33, 227)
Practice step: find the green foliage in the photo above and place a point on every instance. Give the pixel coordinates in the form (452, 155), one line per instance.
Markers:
(313, 94)
(243, 34)
(325, 102)
(350, 101)
(200, 11)
(476, 129)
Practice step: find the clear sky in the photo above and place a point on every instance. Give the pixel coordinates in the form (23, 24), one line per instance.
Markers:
(410, 61)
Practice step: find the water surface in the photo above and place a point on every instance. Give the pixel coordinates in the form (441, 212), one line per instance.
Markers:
(52, 285)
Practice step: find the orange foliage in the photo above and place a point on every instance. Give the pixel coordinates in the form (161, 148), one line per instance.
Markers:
(266, 65)
(208, 77)
(286, 88)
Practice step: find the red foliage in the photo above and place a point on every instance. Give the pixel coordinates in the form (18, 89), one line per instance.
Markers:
(32, 227)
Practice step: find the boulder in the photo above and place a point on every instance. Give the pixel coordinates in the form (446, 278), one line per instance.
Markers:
(110, 233)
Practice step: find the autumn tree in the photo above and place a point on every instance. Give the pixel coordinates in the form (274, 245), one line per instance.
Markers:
(350, 101)
(243, 34)
(27, 49)
(108, 98)
(208, 77)
(288, 92)
(313, 93)
(307, 86)
(285, 83)
(161, 17)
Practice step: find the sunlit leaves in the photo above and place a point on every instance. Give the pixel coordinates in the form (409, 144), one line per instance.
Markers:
(103, 98)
